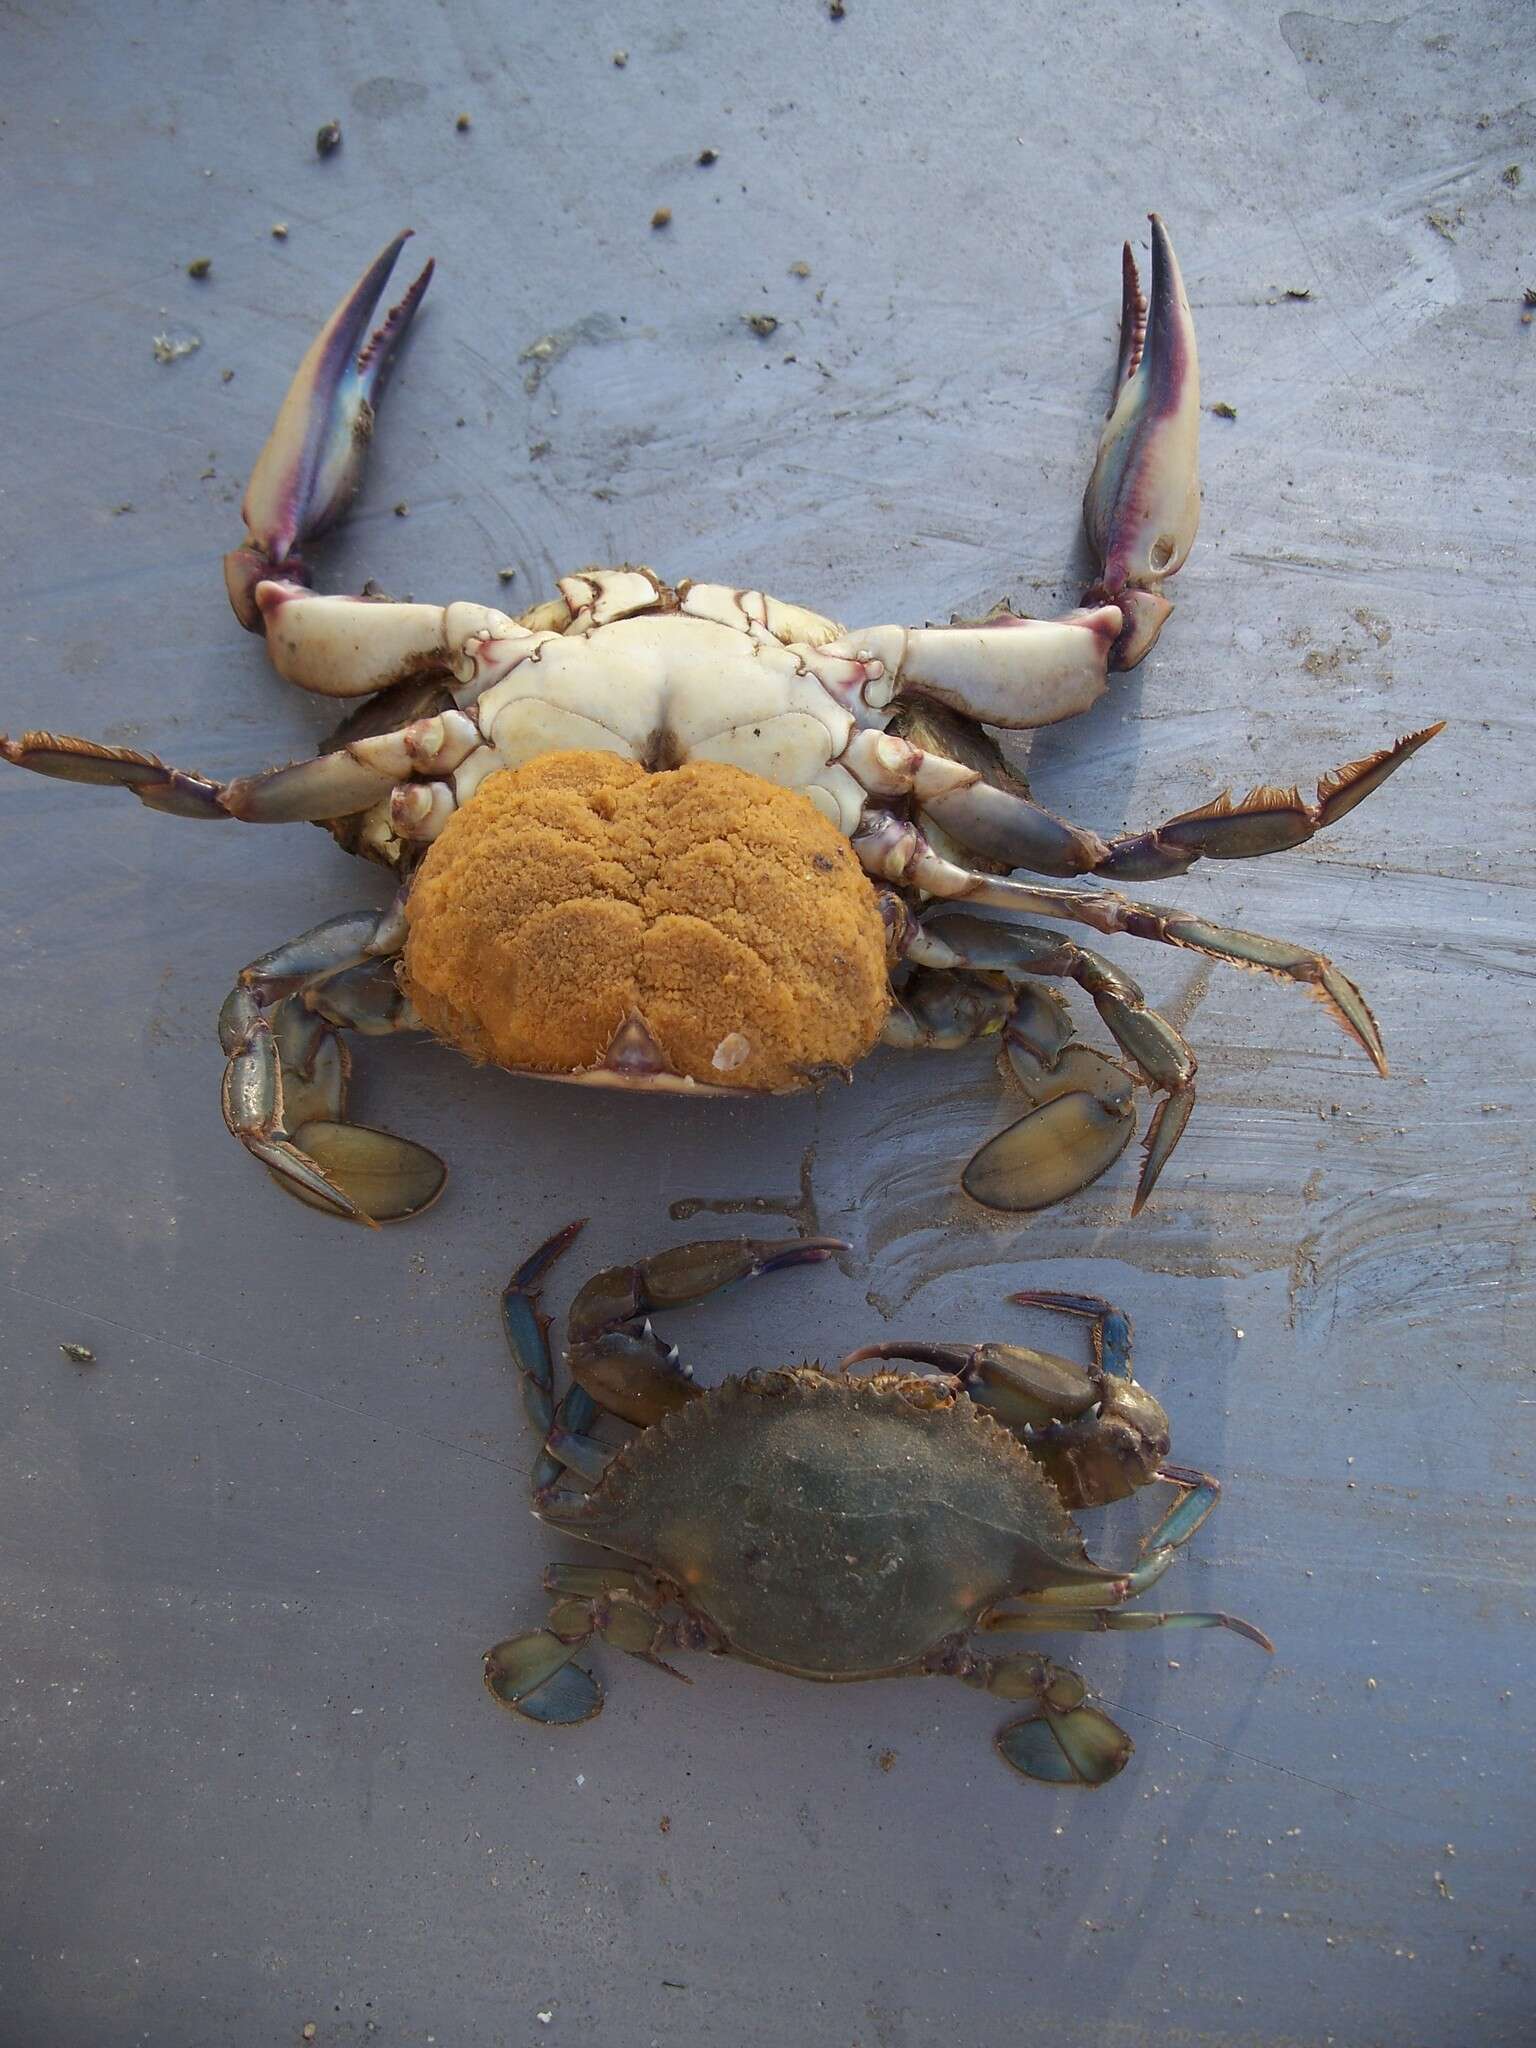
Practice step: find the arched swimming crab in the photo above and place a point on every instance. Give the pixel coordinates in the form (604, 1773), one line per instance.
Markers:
(838, 1526)
(878, 728)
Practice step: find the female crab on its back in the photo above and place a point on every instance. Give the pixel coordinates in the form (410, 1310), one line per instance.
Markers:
(875, 732)
(837, 1526)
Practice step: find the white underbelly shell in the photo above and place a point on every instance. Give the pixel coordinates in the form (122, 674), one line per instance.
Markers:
(668, 689)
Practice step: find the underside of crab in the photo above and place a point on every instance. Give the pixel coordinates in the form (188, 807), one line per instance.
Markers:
(876, 732)
(837, 1525)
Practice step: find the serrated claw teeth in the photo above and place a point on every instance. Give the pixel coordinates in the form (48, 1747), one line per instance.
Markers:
(310, 468)
(1142, 504)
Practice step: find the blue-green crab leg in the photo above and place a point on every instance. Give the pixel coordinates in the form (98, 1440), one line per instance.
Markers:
(1061, 1740)
(1081, 1608)
(1094, 1620)
(1010, 830)
(66, 758)
(533, 1673)
(1198, 1495)
(637, 1377)
(1076, 1136)
(285, 1098)
(527, 1332)
(1111, 1333)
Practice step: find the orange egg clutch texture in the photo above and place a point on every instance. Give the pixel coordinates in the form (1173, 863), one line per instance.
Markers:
(725, 920)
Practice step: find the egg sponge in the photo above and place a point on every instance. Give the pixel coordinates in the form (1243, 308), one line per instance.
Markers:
(581, 912)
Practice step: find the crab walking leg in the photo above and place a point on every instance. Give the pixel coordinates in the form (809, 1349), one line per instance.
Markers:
(535, 1676)
(1087, 1608)
(897, 852)
(1097, 1620)
(1062, 1740)
(527, 1331)
(1082, 1110)
(1002, 825)
(533, 1673)
(1081, 1116)
(309, 470)
(271, 1099)
(416, 768)
(68, 759)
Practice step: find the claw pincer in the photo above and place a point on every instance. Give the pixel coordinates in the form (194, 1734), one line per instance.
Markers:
(1142, 504)
(309, 470)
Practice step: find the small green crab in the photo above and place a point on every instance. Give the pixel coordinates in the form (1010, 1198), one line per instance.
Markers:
(835, 1525)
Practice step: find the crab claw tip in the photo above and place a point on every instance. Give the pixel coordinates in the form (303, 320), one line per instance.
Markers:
(309, 469)
(1142, 504)
(246, 568)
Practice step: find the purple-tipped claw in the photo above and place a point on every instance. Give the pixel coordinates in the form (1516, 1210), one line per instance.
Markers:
(1142, 504)
(310, 468)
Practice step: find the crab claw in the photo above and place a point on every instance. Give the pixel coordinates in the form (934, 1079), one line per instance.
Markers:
(1142, 504)
(307, 474)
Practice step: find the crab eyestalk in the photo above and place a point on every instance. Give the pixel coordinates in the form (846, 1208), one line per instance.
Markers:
(1142, 504)
(309, 470)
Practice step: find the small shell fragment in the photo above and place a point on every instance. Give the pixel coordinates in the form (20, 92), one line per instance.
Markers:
(732, 1051)
(78, 1354)
(328, 138)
